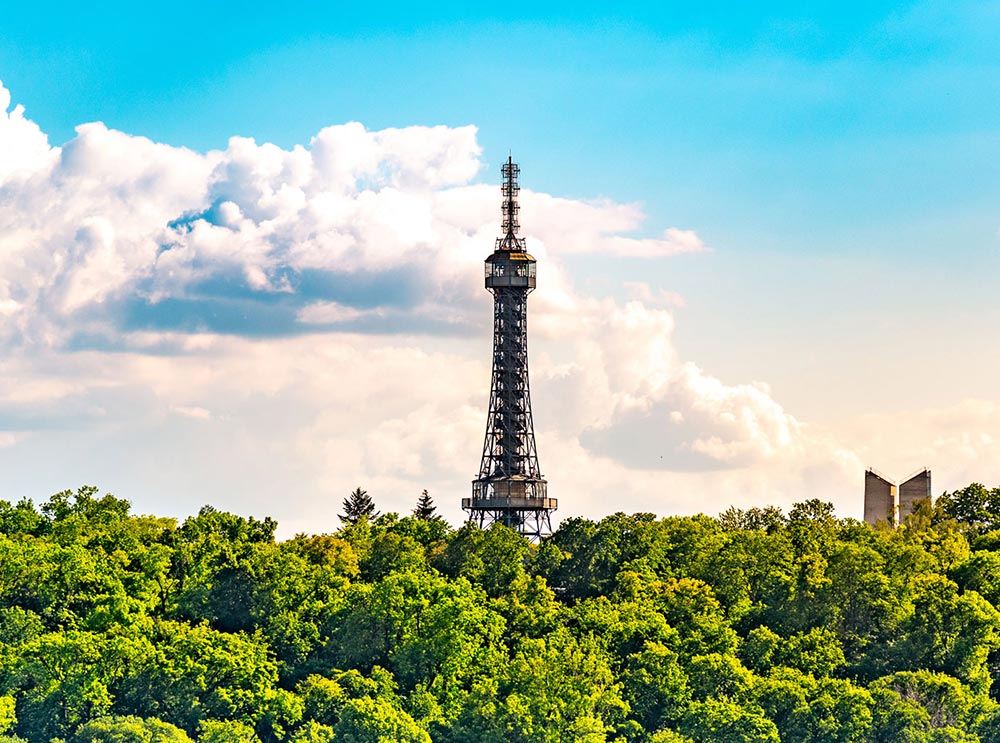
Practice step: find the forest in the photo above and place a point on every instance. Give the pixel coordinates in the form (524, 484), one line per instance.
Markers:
(754, 626)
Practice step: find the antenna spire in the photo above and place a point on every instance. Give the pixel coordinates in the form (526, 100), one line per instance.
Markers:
(509, 226)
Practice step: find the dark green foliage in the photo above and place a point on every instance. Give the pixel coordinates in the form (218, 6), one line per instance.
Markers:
(425, 508)
(358, 505)
(493, 559)
(975, 506)
(753, 627)
(768, 519)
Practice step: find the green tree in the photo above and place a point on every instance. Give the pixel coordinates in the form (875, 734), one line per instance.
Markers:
(377, 721)
(313, 732)
(429, 533)
(769, 519)
(668, 736)
(761, 649)
(946, 701)
(690, 606)
(323, 698)
(425, 509)
(988, 726)
(226, 731)
(929, 708)
(811, 525)
(216, 565)
(718, 676)
(529, 607)
(428, 631)
(592, 554)
(554, 689)
(494, 558)
(357, 505)
(8, 712)
(752, 573)
(863, 606)
(21, 518)
(950, 631)
(129, 729)
(390, 553)
(713, 721)
(61, 681)
(980, 572)
(634, 629)
(974, 505)
(186, 674)
(817, 652)
(809, 710)
(656, 686)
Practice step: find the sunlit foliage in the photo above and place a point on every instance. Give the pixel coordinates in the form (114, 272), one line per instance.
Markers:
(753, 626)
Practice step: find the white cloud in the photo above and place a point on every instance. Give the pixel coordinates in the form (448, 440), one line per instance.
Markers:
(959, 442)
(24, 148)
(266, 329)
(643, 292)
(332, 313)
(192, 411)
(594, 227)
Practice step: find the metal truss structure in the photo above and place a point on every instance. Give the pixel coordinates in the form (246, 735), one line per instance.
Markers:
(510, 488)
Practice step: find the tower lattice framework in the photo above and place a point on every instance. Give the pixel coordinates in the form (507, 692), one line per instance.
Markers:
(510, 488)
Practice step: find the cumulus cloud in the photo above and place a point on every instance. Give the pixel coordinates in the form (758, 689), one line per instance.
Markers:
(267, 328)
(643, 292)
(959, 442)
(596, 227)
(24, 148)
(113, 234)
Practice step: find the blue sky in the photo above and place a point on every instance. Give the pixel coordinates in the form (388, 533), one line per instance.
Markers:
(636, 102)
(823, 128)
(835, 158)
(828, 128)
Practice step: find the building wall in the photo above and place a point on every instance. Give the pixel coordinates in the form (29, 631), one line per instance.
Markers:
(915, 489)
(880, 498)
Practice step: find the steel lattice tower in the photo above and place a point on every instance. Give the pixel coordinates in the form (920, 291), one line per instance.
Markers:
(510, 488)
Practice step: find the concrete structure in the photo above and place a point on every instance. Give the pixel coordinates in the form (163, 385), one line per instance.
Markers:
(880, 498)
(885, 501)
(916, 488)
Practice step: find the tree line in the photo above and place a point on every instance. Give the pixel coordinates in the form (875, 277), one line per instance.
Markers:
(754, 626)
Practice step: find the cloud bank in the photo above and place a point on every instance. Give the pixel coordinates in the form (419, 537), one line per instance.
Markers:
(266, 329)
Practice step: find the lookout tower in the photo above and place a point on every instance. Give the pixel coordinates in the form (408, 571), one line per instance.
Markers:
(510, 488)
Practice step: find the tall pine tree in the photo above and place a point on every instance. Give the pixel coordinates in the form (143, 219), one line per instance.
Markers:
(356, 505)
(425, 508)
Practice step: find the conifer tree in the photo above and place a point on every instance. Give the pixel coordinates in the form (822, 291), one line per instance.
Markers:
(425, 508)
(356, 505)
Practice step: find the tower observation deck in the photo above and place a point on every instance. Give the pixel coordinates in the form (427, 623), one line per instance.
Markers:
(510, 488)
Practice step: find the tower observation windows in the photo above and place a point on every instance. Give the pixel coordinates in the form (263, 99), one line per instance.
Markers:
(520, 269)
